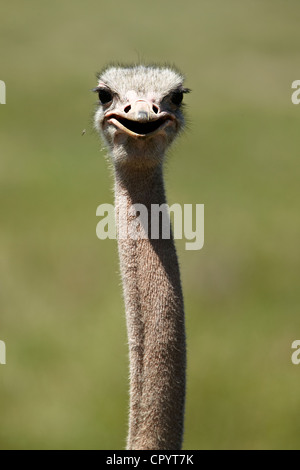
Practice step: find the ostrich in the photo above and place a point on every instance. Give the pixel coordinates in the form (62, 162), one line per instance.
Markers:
(138, 116)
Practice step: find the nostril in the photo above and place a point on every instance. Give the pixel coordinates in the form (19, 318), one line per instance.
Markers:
(155, 108)
(127, 108)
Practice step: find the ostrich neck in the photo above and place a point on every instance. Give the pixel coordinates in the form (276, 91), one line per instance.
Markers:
(155, 322)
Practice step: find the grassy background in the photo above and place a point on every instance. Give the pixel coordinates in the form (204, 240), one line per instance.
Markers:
(61, 311)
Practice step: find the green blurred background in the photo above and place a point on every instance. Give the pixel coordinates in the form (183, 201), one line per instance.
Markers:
(65, 384)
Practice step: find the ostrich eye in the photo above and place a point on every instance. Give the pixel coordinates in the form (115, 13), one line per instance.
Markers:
(177, 97)
(105, 96)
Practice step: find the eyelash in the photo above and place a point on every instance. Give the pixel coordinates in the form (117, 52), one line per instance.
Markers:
(104, 94)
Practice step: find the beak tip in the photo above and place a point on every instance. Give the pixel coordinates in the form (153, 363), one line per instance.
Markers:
(142, 116)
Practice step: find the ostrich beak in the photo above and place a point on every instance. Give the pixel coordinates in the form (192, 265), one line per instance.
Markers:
(140, 118)
(141, 111)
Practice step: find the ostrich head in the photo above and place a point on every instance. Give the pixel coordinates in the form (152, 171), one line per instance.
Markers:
(139, 113)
